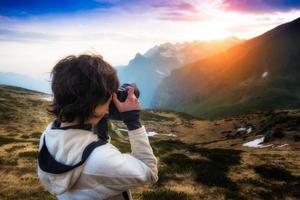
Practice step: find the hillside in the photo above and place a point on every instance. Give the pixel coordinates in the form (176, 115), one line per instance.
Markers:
(148, 70)
(259, 74)
(197, 158)
(38, 83)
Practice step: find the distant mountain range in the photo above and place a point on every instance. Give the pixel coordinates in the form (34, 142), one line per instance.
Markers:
(39, 84)
(146, 70)
(262, 73)
(149, 69)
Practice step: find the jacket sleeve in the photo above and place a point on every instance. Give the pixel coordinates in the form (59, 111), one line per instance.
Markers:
(122, 171)
(142, 150)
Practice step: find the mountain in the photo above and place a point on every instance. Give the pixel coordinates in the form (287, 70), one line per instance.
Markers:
(149, 69)
(262, 73)
(20, 80)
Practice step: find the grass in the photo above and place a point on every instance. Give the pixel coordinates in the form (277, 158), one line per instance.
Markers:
(14, 148)
(15, 88)
(164, 146)
(189, 168)
(211, 170)
(187, 116)
(148, 115)
(35, 143)
(165, 175)
(28, 154)
(7, 140)
(214, 174)
(8, 161)
(179, 163)
(25, 136)
(232, 195)
(235, 101)
(39, 194)
(36, 134)
(6, 109)
(274, 172)
(164, 194)
(123, 147)
(222, 156)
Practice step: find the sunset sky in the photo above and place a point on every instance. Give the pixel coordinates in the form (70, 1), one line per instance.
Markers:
(35, 34)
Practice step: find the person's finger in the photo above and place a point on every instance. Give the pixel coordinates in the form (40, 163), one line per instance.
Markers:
(116, 100)
(131, 92)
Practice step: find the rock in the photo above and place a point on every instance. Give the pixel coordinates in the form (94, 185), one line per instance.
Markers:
(268, 137)
(296, 138)
(278, 133)
(272, 135)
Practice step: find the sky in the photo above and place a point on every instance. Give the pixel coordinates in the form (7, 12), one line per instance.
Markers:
(35, 34)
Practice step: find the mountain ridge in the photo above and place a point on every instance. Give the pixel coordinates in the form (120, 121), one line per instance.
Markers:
(149, 69)
(213, 80)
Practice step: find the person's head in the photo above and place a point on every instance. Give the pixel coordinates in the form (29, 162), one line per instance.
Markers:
(82, 88)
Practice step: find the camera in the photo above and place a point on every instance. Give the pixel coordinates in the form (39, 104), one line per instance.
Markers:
(121, 95)
(101, 129)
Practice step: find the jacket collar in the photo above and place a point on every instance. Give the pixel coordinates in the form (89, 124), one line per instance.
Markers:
(56, 125)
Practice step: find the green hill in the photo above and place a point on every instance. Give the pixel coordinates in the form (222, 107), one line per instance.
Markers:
(262, 73)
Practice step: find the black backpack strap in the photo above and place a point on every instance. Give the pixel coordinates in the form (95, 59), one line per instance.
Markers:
(48, 164)
(125, 195)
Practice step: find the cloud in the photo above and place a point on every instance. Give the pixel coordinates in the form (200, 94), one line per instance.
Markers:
(175, 5)
(260, 5)
(39, 37)
(179, 10)
(14, 35)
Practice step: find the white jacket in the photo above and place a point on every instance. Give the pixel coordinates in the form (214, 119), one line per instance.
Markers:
(106, 173)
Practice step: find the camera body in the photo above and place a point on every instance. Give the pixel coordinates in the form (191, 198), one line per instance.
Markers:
(121, 95)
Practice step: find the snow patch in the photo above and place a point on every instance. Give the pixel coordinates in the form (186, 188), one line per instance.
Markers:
(151, 134)
(161, 73)
(122, 129)
(167, 54)
(257, 143)
(170, 135)
(46, 98)
(243, 129)
(249, 130)
(283, 145)
(265, 74)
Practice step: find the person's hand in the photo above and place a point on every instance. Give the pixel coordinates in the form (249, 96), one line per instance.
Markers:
(131, 102)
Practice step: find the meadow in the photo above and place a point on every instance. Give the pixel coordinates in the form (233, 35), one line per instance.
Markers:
(198, 158)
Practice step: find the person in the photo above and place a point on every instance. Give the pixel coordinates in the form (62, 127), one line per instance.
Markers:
(83, 87)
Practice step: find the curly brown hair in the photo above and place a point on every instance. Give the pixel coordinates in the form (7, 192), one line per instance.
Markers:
(79, 84)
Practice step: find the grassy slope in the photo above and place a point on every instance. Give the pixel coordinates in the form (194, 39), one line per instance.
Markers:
(205, 161)
(23, 118)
